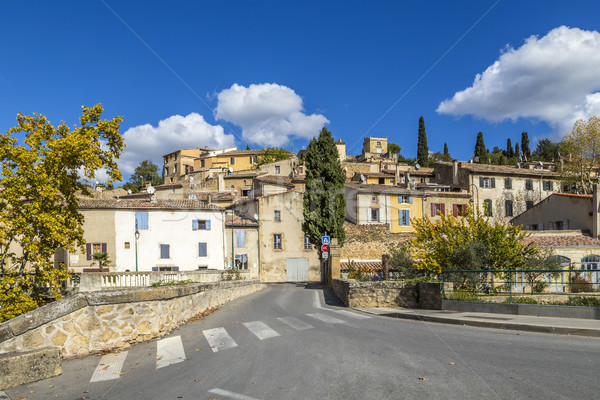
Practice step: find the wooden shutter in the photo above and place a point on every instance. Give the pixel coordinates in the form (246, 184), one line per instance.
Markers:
(433, 209)
(455, 210)
(164, 251)
(407, 215)
(240, 238)
(410, 200)
(493, 181)
(103, 247)
(443, 206)
(208, 224)
(88, 251)
(202, 249)
(481, 181)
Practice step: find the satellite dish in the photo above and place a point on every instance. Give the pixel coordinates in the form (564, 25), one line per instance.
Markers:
(150, 189)
(192, 197)
(230, 170)
(255, 217)
(362, 178)
(417, 166)
(345, 169)
(129, 191)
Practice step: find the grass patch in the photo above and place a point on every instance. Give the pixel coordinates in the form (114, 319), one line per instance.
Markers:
(163, 283)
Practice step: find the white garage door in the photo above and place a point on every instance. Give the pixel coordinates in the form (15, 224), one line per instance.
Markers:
(297, 269)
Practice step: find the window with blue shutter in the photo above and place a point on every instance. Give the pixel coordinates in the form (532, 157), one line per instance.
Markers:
(194, 224)
(202, 249)
(208, 224)
(404, 217)
(141, 220)
(165, 251)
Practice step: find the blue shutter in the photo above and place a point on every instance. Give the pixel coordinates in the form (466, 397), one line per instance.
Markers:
(493, 185)
(141, 220)
(400, 199)
(208, 224)
(202, 250)
(480, 181)
(164, 251)
(194, 224)
(410, 200)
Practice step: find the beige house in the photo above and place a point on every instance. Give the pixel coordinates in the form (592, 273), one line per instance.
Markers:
(243, 233)
(500, 192)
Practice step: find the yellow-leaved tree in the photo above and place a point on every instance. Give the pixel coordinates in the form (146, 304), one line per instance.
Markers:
(40, 183)
(581, 151)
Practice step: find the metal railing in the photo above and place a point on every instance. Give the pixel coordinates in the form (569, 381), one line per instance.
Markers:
(556, 286)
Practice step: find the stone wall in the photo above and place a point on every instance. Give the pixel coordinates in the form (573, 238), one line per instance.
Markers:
(388, 294)
(92, 322)
(369, 242)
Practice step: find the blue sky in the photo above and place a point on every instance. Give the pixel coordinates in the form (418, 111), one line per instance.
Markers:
(195, 73)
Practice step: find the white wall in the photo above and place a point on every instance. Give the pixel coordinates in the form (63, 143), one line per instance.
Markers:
(175, 229)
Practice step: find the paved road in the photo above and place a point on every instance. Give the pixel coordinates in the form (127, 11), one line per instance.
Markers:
(291, 342)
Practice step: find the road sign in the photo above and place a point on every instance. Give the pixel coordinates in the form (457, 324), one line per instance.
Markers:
(324, 239)
(325, 248)
(325, 256)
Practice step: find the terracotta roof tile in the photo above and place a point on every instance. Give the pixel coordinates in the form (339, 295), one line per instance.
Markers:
(558, 240)
(368, 265)
(142, 204)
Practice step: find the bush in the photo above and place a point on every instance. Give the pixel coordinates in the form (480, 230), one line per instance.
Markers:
(523, 300)
(463, 296)
(539, 286)
(583, 301)
(579, 284)
(172, 283)
(403, 264)
(358, 273)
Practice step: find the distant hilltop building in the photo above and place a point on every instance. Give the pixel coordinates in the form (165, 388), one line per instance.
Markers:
(374, 149)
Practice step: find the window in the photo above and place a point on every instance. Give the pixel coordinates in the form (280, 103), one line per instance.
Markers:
(165, 251)
(404, 217)
(246, 192)
(508, 208)
(300, 169)
(528, 204)
(307, 245)
(141, 220)
(459, 210)
(252, 159)
(240, 238)
(202, 249)
(166, 170)
(277, 216)
(487, 182)
(94, 248)
(202, 164)
(232, 160)
(201, 224)
(374, 215)
(405, 199)
(487, 208)
(507, 183)
(127, 245)
(277, 241)
(529, 184)
(277, 169)
(378, 144)
(548, 185)
(381, 181)
(438, 209)
(374, 199)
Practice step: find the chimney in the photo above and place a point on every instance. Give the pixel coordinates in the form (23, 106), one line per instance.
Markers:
(380, 166)
(209, 199)
(455, 172)
(397, 176)
(595, 208)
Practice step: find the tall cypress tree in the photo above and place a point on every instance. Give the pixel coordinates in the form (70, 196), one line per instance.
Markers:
(446, 156)
(324, 200)
(480, 150)
(422, 149)
(517, 151)
(510, 153)
(525, 145)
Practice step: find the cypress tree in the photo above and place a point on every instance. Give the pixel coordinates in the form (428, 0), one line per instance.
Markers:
(525, 145)
(324, 205)
(510, 153)
(446, 156)
(480, 150)
(517, 151)
(422, 149)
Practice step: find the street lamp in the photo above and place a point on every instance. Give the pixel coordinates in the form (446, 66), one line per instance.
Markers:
(476, 203)
(137, 236)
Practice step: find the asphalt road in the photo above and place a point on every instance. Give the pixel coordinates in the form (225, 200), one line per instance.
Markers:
(292, 342)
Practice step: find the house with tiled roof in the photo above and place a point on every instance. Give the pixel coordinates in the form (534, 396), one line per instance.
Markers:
(149, 235)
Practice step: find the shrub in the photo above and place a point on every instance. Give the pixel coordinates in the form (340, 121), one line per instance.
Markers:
(579, 284)
(523, 300)
(462, 296)
(358, 273)
(539, 286)
(583, 301)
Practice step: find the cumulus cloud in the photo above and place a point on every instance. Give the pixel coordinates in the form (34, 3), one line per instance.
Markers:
(554, 79)
(174, 133)
(268, 113)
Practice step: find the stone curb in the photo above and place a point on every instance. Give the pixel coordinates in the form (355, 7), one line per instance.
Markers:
(21, 367)
(559, 330)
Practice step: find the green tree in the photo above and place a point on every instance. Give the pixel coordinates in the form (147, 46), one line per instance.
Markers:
(517, 151)
(510, 152)
(41, 181)
(537, 266)
(546, 150)
(145, 173)
(525, 146)
(480, 150)
(393, 148)
(272, 154)
(422, 148)
(248, 147)
(439, 244)
(101, 259)
(581, 148)
(324, 201)
(446, 156)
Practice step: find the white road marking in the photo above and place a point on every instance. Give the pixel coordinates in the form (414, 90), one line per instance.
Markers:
(109, 367)
(350, 314)
(169, 351)
(326, 318)
(317, 300)
(231, 395)
(296, 323)
(260, 330)
(4, 396)
(219, 339)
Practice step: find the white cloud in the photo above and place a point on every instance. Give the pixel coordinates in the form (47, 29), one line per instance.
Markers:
(268, 113)
(552, 79)
(174, 133)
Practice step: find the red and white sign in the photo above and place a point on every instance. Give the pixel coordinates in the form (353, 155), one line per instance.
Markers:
(325, 248)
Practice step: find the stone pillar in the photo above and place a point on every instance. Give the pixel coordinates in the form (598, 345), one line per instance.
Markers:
(385, 263)
(334, 261)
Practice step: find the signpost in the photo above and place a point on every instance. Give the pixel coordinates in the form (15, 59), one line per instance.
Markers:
(325, 251)
(324, 239)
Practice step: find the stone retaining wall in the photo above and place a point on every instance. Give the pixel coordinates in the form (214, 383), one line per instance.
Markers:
(356, 294)
(92, 322)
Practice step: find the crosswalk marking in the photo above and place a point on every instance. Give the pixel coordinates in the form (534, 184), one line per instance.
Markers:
(260, 330)
(231, 395)
(317, 300)
(326, 318)
(109, 367)
(295, 323)
(351, 314)
(219, 339)
(169, 351)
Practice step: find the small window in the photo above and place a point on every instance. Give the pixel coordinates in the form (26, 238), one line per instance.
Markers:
(127, 245)
(202, 249)
(307, 245)
(529, 184)
(374, 199)
(487, 182)
(277, 169)
(507, 183)
(277, 216)
(246, 192)
(277, 241)
(200, 224)
(96, 248)
(378, 144)
(232, 160)
(375, 215)
(166, 170)
(165, 251)
(487, 208)
(438, 209)
(404, 217)
(459, 210)
(252, 159)
(508, 208)
(548, 185)
(528, 204)
(405, 199)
